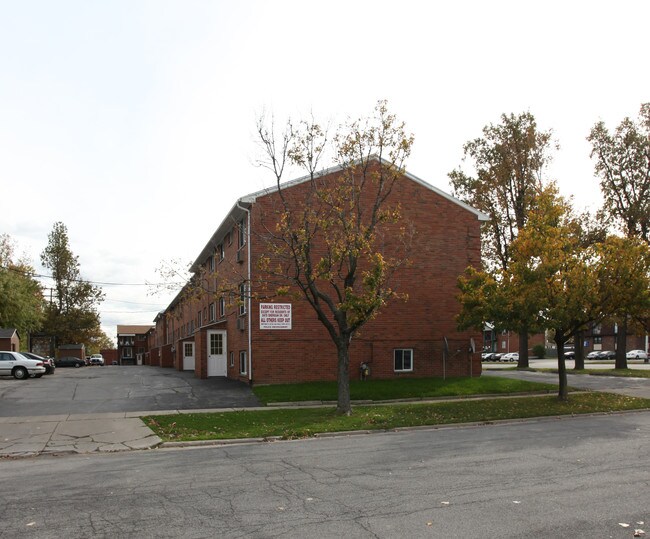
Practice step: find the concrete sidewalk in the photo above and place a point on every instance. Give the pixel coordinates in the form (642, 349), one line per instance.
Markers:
(56, 434)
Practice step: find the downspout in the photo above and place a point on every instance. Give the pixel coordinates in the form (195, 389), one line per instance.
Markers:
(250, 285)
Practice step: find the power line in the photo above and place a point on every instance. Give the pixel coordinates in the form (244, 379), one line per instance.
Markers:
(30, 274)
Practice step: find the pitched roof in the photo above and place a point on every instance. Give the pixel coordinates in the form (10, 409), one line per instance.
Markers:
(7, 333)
(238, 211)
(133, 330)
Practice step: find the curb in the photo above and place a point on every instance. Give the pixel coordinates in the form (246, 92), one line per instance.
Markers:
(347, 433)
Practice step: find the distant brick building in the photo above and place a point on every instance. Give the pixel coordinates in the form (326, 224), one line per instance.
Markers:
(9, 340)
(132, 345)
(71, 350)
(217, 336)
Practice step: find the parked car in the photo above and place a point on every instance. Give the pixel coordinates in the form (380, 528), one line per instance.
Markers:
(607, 354)
(97, 359)
(593, 355)
(48, 362)
(70, 361)
(636, 354)
(569, 353)
(510, 356)
(20, 366)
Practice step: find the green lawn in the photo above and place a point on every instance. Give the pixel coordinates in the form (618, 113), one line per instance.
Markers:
(300, 422)
(405, 388)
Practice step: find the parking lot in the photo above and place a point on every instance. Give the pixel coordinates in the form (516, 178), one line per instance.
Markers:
(92, 390)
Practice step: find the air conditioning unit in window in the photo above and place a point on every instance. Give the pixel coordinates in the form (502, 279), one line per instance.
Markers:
(241, 324)
(240, 256)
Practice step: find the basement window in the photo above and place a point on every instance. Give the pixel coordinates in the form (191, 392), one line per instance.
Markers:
(403, 359)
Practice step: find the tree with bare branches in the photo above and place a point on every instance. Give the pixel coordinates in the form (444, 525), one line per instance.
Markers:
(339, 240)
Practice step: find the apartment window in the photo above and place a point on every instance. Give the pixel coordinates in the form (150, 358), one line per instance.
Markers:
(221, 252)
(127, 352)
(598, 340)
(403, 359)
(229, 238)
(211, 263)
(192, 327)
(242, 233)
(232, 359)
(597, 329)
(222, 307)
(212, 312)
(242, 299)
(242, 362)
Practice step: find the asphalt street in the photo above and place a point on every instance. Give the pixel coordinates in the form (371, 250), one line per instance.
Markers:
(571, 477)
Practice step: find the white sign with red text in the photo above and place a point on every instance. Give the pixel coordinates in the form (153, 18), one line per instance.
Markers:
(275, 315)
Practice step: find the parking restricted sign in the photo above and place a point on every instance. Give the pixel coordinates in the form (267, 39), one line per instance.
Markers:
(275, 315)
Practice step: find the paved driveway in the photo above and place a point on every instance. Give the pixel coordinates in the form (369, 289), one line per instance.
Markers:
(91, 390)
(632, 387)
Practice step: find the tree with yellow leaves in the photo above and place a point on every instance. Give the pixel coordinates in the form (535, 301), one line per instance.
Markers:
(339, 243)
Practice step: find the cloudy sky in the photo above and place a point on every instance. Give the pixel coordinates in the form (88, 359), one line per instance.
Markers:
(133, 121)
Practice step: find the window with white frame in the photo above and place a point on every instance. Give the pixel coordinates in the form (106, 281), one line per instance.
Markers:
(242, 233)
(212, 312)
(242, 362)
(232, 359)
(221, 252)
(211, 263)
(222, 307)
(127, 352)
(403, 359)
(242, 299)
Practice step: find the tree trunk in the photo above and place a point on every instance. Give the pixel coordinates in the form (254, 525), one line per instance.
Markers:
(621, 345)
(560, 340)
(579, 351)
(343, 351)
(523, 349)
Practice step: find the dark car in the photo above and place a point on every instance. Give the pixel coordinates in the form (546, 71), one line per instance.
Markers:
(607, 354)
(69, 361)
(48, 362)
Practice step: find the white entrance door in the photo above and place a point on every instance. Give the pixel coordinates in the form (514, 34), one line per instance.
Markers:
(188, 356)
(217, 353)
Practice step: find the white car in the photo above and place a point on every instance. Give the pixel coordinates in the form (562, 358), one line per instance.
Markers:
(97, 359)
(19, 366)
(511, 356)
(636, 354)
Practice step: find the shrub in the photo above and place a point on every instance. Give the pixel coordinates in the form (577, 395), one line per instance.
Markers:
(539, 350)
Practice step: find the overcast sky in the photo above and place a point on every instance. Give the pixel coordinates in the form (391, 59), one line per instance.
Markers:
(132, 121)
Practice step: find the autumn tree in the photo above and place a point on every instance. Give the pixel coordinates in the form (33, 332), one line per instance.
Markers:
(21, 296)
(622, 163)
(550, 276)
(509, 163)
(72, 315)
(338, 246)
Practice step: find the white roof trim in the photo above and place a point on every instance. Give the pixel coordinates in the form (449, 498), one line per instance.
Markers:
(252, 197)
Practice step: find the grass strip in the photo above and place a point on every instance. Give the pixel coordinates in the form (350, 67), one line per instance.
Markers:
(378, 390)
(299, 423)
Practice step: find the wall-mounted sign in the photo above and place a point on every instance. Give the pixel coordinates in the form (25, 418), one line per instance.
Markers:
(275, 315)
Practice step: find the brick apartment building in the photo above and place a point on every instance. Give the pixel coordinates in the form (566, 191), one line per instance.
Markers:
(132, 344)
(232, 334)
